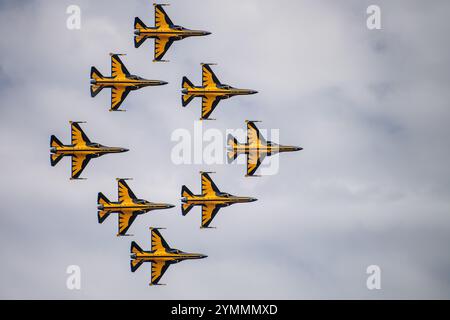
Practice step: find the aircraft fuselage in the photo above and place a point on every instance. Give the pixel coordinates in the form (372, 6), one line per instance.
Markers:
(267, 149)
(120, 207)
(169, 32)
(126, 82)
(71, 150)
(166, 256)
(201, 199)
(213, 91)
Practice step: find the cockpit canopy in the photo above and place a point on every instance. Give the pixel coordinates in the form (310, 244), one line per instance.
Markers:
(178, 28)
(133, 77)
(175, 251)
(223, 194)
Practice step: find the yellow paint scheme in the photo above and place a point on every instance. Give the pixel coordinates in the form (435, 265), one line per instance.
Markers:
(164, 32)
(161, 256)
(211, 91)
(121, 82)
(211, 200)
(81, 150)
(128, 207)
(256, 148)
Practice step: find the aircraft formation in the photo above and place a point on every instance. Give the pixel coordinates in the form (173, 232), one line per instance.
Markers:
(128, 207)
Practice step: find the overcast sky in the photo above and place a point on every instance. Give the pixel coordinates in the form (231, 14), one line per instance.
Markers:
(369, 107)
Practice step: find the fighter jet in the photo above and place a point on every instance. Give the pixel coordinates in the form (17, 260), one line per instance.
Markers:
(160, 255)
(81, 150)
(164, 32)
(128, 207)
(256, 148)
(121, 82)
(211, 91)
(211, 199)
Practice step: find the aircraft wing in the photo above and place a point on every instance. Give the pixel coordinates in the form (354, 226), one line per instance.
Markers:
(208, 186)
(162, 20)
(254, 137)
(209, 211)
(209, 103)
(118, 69)
(158, 242)
(78, 135)
(124, 192)
(79, 162)
(125, 221)
(162, 44)
(254, 160)
(209, 79)
(118, 95)
(158, 269)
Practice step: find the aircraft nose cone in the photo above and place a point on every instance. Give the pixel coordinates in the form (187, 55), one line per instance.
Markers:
(298, 148)
(253, 199)
(161, 83)
(202, 256)
(205, 33)
(124, 150)
(169, 206)
(253, 91)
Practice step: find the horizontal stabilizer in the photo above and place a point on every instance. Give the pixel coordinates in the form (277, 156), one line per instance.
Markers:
(233, 143)
(102, 199)
(95, 89)
(138, 24)
(55, 158)
(185, 192)
(134, 250)
(54, 142)
(95, 74)
(102, 215)
(185, 208)
(232, 155)
(138, 40)
(186, 98)
(186, 83)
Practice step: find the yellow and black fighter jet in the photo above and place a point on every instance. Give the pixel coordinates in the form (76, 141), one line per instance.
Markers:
(160, 255)
(164, 32)
(81, 150)
(211, 199)
(211, 91)
(256, 148)
(128, 207)
(121, 82)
